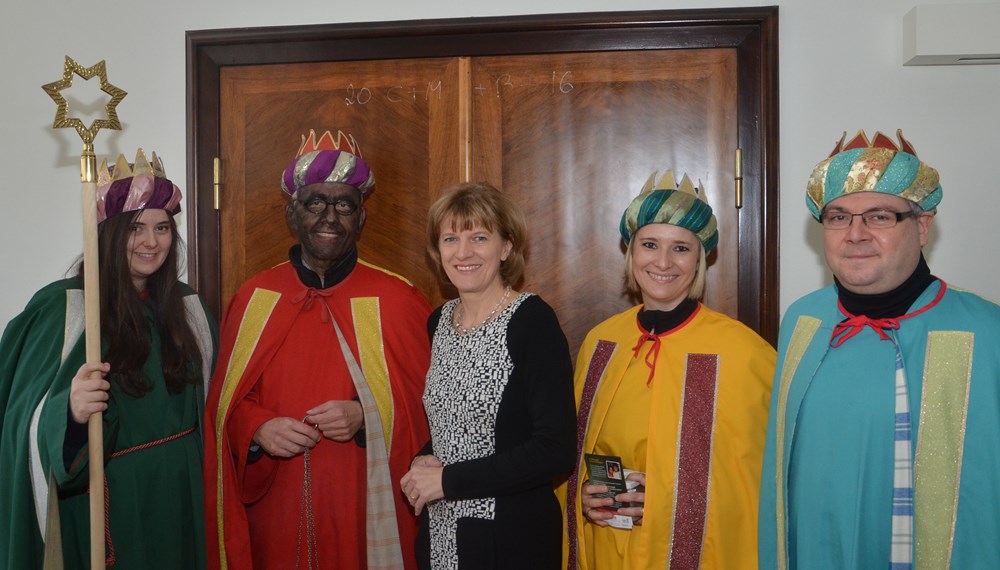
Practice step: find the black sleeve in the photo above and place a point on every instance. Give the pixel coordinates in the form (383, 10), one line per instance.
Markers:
(76, 438)
(361, 436)
(432, 323)
(427, 449)
(542, 365)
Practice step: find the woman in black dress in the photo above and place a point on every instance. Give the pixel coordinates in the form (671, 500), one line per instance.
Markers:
(499, 398)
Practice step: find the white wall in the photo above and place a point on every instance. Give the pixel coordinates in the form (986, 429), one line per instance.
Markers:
(840, 69)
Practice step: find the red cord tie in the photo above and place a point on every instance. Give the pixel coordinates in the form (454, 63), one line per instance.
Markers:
(855, 324)
(310, 295)
(651, 356)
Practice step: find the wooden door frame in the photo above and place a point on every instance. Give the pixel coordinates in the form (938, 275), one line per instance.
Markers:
(753, 32)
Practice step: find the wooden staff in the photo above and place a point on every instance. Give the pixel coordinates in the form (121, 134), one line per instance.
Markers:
(92, 311)
(91, 277)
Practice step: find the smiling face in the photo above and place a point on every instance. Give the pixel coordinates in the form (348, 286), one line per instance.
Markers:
(149, 242)
(870, 261)
(471, 257)
(328, 236)
(664, 264)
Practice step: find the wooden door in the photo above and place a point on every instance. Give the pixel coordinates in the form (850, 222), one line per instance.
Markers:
(573, 137)
(568, 113)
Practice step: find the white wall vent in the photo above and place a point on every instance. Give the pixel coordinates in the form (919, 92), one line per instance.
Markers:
(952, 34)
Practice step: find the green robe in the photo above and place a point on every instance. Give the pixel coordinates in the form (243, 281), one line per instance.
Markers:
(154, 495)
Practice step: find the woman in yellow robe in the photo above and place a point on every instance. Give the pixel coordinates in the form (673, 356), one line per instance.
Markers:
(679, 394)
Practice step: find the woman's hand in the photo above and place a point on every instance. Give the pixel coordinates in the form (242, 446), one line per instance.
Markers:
(591, 505)
(426, 461)
(422, 483)
(88, 396)
(286, 437)
(339, 420)
(633, 497)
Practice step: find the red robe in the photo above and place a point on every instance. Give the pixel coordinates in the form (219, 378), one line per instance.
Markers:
(279, 356)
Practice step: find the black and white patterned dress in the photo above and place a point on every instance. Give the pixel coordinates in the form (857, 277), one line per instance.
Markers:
(499, 402)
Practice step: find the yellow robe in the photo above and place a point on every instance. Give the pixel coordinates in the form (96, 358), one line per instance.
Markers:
(712, 375)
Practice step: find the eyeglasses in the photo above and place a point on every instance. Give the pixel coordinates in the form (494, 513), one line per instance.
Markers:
(318, 204)
(877, 218)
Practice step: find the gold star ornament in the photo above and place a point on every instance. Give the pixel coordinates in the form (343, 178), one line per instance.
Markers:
(62, 107)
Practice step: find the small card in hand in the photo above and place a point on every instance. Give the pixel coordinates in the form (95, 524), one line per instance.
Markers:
(607, 470)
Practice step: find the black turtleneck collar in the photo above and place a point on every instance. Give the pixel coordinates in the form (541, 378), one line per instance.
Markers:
(334, 275)
(890, 304)
(658, 322)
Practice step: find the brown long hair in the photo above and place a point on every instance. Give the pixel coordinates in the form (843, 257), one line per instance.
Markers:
(125, 317)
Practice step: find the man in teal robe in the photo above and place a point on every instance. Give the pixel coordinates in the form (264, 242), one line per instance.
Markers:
(849, 481)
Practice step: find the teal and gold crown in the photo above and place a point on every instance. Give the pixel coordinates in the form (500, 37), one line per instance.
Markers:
(667, 183)
(879, 165)
(682, 205)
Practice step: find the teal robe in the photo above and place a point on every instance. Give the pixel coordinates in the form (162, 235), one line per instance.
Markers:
(155, 496)
(827, 485)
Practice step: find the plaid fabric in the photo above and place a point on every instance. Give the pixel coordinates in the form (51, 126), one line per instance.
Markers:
(901, 551)
(901, 554)
(382, 535)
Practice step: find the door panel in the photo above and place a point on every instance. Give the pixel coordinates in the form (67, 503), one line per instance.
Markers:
(573, 137)
(402, 114)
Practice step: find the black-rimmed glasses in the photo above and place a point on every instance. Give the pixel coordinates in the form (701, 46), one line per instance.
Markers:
(318, 204)
(876, 218)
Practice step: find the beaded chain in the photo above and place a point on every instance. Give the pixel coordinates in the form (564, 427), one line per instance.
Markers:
(307, 519)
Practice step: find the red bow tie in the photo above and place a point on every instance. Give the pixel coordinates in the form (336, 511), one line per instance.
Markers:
(854, 324)
(310, 295)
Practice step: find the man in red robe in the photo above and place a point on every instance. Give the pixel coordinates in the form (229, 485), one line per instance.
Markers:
(315, 411)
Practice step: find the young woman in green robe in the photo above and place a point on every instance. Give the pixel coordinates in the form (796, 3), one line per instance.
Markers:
(158, 346)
